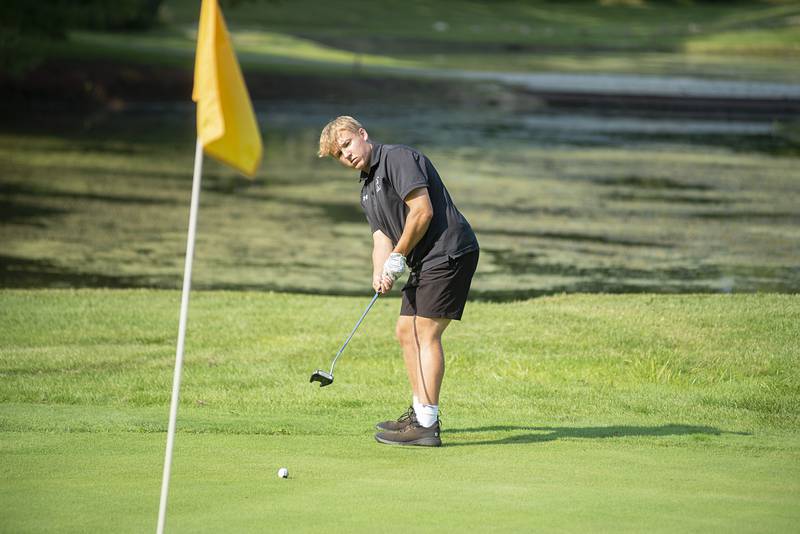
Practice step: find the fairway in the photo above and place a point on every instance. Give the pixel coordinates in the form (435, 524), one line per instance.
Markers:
(598, 413)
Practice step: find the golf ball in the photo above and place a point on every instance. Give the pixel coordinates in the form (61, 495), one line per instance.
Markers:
(283, 472)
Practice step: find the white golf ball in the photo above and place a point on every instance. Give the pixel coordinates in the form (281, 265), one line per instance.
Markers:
(283, 472)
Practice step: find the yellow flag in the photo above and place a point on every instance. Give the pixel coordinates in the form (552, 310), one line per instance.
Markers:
(226, 124)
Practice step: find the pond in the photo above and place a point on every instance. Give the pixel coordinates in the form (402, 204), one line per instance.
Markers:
(562, 200)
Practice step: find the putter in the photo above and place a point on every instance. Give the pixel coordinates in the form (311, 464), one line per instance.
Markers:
(326, 379)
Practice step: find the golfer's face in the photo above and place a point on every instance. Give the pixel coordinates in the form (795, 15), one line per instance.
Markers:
(354, 150)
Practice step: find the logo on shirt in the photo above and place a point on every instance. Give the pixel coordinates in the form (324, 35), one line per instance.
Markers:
(364, 198)
(378, 182)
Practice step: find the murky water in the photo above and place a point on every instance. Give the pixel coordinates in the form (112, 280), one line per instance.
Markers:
(560, 200)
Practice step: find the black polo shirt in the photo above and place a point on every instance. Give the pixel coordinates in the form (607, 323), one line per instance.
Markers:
(395, 171)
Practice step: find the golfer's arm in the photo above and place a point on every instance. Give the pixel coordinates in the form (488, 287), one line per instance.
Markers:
(420, 213)
(381, 248)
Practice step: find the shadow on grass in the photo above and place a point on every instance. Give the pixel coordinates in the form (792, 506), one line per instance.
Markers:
(540, 434)
(24, 273)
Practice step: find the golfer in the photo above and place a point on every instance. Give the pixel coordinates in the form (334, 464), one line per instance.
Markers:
(417, 227)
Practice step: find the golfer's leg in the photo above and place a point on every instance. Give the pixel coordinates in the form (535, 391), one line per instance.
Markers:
(430, 365)
(405, 335)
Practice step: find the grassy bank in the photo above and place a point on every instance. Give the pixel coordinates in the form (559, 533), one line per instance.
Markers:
(572, 412)
(747, 40)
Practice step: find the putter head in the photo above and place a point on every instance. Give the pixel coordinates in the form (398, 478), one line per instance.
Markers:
(324, 379)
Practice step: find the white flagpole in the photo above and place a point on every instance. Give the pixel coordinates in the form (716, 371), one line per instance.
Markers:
(176, 382)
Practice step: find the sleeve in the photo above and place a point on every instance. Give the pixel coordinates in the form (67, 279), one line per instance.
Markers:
(406, 170)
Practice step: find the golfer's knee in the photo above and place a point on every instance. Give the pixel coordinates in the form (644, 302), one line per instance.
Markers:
(428, 331)
(404, 332)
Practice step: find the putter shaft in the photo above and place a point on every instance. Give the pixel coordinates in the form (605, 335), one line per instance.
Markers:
(333, 364)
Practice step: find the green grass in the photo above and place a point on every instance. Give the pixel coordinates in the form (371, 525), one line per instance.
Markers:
(553, 25)
(784, 40)
(259, 50)
(755, 40)
(596, 413)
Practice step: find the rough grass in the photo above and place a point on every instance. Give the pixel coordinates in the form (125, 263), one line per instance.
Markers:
(598, 413)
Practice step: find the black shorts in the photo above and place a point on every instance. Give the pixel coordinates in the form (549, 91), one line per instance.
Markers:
(441, 291)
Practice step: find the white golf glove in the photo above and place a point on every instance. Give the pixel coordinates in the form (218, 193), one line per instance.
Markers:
(395, 266)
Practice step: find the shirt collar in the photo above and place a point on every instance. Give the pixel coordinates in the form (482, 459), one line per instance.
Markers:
(374, 160)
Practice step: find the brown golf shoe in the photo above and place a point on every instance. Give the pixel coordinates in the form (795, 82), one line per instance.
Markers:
(412, 434)
(402, 422)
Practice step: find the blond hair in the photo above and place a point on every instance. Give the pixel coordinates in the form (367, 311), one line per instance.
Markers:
(328, 146)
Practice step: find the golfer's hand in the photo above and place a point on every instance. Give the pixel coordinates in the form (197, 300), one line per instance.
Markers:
(382, 284)
(395, 266)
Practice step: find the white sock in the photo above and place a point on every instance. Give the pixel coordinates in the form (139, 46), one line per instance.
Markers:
(417, 408)
(415, 400)
(428, 414)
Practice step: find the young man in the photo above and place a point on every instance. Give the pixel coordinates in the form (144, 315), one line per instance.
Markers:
(415, 225)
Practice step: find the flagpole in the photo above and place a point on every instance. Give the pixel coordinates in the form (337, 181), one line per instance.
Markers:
(176, 382)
